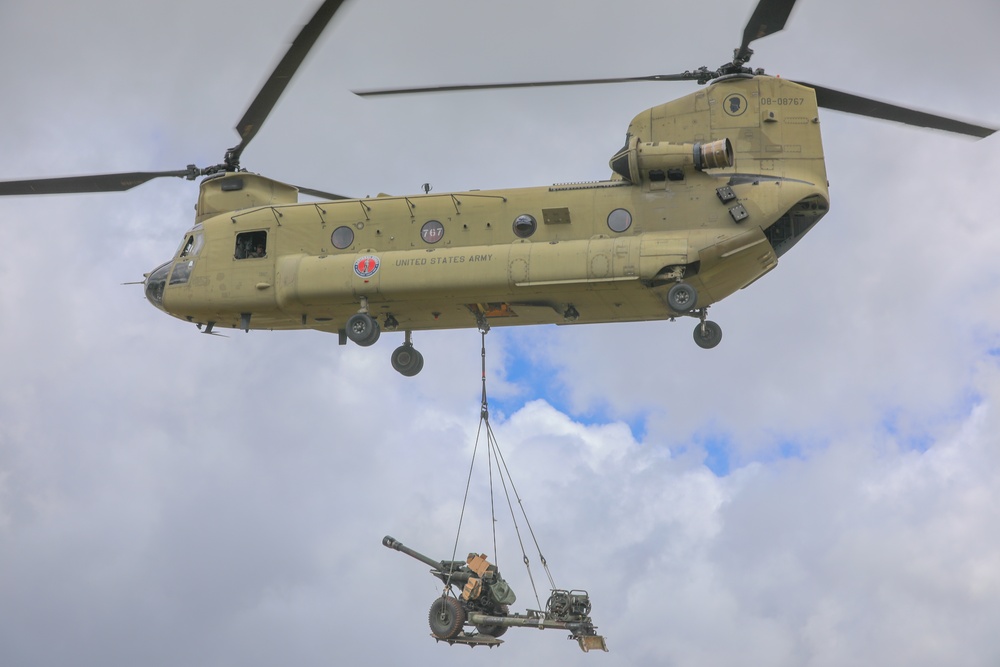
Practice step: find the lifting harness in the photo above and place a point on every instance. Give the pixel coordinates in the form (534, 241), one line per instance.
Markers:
(485, 598)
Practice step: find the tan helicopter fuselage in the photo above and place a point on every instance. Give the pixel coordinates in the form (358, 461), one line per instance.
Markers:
(603, 251)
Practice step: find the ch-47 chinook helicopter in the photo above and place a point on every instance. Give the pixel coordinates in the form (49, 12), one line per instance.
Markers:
(706, 194)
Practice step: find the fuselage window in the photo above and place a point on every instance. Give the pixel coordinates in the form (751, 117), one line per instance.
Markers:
(342, 237)
(525, 225)
(251, 244)
(619, 220)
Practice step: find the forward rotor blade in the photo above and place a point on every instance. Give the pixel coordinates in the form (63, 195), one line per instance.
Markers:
(92, 183)
(321, 194)
(269, 94)
(865, 106)
(686, 76)
(768, 18)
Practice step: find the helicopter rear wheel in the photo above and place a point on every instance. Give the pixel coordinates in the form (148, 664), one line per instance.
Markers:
(407, 360)
(363, 329)
(682, 297)
(707, 334)
(446, 617)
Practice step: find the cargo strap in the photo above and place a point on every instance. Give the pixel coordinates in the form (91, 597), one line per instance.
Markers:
(495, 457)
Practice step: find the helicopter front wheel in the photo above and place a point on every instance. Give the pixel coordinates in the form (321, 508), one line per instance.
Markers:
(407, 360)
(363, 329)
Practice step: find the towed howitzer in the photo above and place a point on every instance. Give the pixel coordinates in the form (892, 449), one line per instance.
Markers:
(484, 603)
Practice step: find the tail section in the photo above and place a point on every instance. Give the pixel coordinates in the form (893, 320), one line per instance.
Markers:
(772, 123)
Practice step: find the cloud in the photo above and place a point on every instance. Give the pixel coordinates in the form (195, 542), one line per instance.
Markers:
(168, 497)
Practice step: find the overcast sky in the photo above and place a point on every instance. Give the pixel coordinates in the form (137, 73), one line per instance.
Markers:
(822, 489)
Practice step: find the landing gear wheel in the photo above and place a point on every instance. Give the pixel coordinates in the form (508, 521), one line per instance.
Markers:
(407, 360)
(707, 334)
(363, 329)
(446, 617)
(682, 297)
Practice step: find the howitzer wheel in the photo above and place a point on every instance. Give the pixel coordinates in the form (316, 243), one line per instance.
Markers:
(492, 630)
(446, 617)
(495, 630)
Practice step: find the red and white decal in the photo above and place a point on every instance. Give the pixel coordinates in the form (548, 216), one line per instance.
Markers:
(366, 266)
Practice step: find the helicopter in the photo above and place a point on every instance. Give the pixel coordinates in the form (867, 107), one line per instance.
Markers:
(704, 197)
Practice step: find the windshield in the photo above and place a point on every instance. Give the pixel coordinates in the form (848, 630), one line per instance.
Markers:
(155, 283)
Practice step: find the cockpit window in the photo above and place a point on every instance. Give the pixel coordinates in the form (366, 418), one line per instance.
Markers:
(182, 271)
(251, 244)
(192, 245)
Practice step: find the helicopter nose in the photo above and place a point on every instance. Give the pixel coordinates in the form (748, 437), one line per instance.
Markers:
(156, 280)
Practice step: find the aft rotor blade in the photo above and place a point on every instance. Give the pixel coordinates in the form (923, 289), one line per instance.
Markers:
(768, 18)
(92, 183)
(685, 76)
(269, 94)
(865, 106)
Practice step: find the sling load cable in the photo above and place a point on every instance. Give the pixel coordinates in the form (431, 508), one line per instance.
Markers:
(493, 450)
(484, 327)
(565, 609)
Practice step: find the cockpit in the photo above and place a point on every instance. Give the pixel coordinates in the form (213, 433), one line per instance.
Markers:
(178, 270)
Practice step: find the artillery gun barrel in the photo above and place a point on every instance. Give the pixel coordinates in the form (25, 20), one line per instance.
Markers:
(393, 543)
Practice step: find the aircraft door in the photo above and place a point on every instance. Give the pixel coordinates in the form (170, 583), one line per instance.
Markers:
(250, 280)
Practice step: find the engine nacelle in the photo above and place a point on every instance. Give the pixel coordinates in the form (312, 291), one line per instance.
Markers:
(660, 161)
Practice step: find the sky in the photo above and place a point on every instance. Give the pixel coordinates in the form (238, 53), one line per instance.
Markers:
(820, 489)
